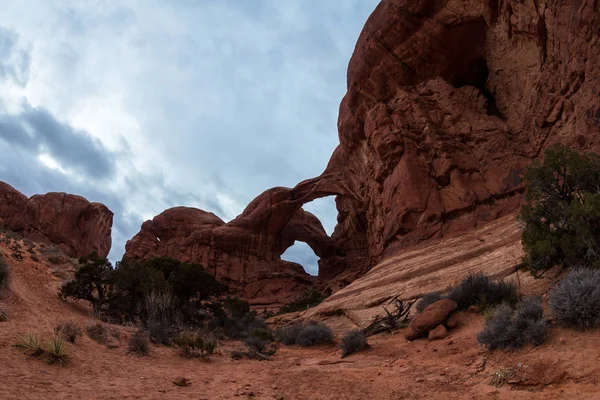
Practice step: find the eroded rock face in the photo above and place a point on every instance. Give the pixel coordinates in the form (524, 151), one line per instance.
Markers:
(66, 220)
(448, 101)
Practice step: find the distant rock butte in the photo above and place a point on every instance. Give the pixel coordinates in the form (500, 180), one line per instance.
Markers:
(68, 221)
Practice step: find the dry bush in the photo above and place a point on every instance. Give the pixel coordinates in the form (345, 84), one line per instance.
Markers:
(428, 299)
(193, 345)
(510, 329)
(69, 331)
(289, 333)
(97, 332)
(139, 344)
(575, 300)
(163, 316)
(478, 289)
(314, 334)
(353, 342)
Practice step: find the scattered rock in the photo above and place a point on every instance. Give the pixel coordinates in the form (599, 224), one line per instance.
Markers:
(181, 381)
(438, 333)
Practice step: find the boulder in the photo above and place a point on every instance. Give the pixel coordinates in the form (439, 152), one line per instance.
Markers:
(433, 315)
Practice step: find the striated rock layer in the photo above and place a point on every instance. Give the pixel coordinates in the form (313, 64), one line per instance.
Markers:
(71, 222)
(447, 102)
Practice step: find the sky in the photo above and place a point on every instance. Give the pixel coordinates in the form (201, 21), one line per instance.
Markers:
(149, 104)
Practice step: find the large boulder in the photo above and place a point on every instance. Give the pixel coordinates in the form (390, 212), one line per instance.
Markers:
(70, 222)
(430, 318)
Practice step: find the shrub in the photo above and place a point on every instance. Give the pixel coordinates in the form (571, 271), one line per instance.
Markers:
(314, 334)
(55, 260)
(162, 316)
(478, 289)
(237, 308)
(138, 344)
(289, 333)
(57, 351)
(309, 299)
(194, 345)
(509, 329)
(92, 282)
(353, 342)
(256, 344)
(428, 299)
(563, 210)
(97, 332)
(575, 300)
(3, 317)
(3, 274)
(263, 334)
(69, 331)
(31, 343)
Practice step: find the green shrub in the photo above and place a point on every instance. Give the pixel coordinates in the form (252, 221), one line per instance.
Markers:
(478, 289)
(509, 329)
(575, 300)
(237, 308)
(97, 332)
(57, 351)
(92, 282)
(353, 342)
(31, 343)
(563, 211)
(309, 299)
(314, 334)
(69, 331)
(139, 344)
(193, 345)
(428, 299)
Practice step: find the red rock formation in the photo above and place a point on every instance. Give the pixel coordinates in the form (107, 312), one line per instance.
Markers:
(68, 221)
(244, 253)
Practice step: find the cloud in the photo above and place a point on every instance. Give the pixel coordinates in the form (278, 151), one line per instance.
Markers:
(15, 58)
(158, 103)
(39, 132)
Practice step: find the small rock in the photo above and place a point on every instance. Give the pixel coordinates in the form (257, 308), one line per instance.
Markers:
(453, 321)
(474, 309)
(438, 333)
(420, 380)
(181, 381)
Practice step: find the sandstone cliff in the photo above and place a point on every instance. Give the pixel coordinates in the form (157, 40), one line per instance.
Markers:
(71, 222)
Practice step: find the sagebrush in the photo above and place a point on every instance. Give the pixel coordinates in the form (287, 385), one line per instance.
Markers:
(510, 328)
(97, 332)
(139, 344)
(69, 330)
(314, 334)
(575, 300)
(478, 289)
(192, 345)
(353, 342)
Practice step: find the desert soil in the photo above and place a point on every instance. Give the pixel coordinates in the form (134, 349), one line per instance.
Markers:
(566, 367)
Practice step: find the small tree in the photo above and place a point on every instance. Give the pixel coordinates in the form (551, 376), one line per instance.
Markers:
(92, 282)
(562, 217)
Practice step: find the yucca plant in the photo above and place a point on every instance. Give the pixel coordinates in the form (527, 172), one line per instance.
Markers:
(57, 351)
(31, 343)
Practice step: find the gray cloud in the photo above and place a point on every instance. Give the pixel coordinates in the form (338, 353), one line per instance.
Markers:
(36, 130)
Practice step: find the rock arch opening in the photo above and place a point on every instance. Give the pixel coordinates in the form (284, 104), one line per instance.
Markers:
(301, 253)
